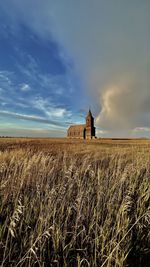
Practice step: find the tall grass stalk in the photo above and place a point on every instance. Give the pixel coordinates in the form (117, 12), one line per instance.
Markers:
(74, 205)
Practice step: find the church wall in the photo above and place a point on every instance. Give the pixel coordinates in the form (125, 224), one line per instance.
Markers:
(88, 132)
(75, 134)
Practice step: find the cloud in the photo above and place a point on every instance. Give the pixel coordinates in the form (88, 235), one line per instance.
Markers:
(33, 118)
(141, 129)
(109, 42)
(6, 79)
(126, 104)
(49, 109)
(101, 133)
(9, 94)
(7, 87)
(56, 84)
(25, 87)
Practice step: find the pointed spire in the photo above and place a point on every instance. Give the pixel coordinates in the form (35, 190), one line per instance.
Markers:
(89, 113)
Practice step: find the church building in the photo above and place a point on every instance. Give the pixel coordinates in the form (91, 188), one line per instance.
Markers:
(83, 131)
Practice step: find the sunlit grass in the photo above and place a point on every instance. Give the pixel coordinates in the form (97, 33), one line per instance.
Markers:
(74, 203)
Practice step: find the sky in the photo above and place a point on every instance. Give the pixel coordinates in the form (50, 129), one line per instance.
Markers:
(58, 58)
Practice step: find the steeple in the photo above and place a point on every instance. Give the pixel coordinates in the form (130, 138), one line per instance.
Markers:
(89, 113)
(90, 129)
(89, 119)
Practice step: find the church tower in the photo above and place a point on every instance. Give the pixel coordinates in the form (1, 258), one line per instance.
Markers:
(90, 129)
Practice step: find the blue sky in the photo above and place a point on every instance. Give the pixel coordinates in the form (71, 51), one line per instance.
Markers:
(59, 58)
(40, 93)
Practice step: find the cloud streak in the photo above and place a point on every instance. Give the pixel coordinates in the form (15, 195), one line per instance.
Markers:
(33, 118)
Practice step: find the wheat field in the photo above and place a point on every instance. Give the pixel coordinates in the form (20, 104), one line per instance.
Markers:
(74, 203)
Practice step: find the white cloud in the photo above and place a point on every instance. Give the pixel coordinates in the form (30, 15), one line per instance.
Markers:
(101, 133)
(57, 112)
(6, 79)
(8, 90)
(25, 87)
(141, 129)
(57, 84)
(49, 109)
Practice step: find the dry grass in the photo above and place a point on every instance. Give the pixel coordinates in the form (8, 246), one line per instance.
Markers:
(74, 203)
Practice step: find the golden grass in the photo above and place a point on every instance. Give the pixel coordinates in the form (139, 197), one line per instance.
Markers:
(74, 203)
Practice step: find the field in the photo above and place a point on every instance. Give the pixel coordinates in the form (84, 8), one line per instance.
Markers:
(74, 203)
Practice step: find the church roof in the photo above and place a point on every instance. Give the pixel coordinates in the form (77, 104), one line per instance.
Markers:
(77, 127)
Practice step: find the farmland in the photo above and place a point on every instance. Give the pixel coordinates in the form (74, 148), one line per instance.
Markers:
(74, 203)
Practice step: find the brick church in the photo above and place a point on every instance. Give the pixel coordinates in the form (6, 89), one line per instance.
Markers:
(83, 131)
